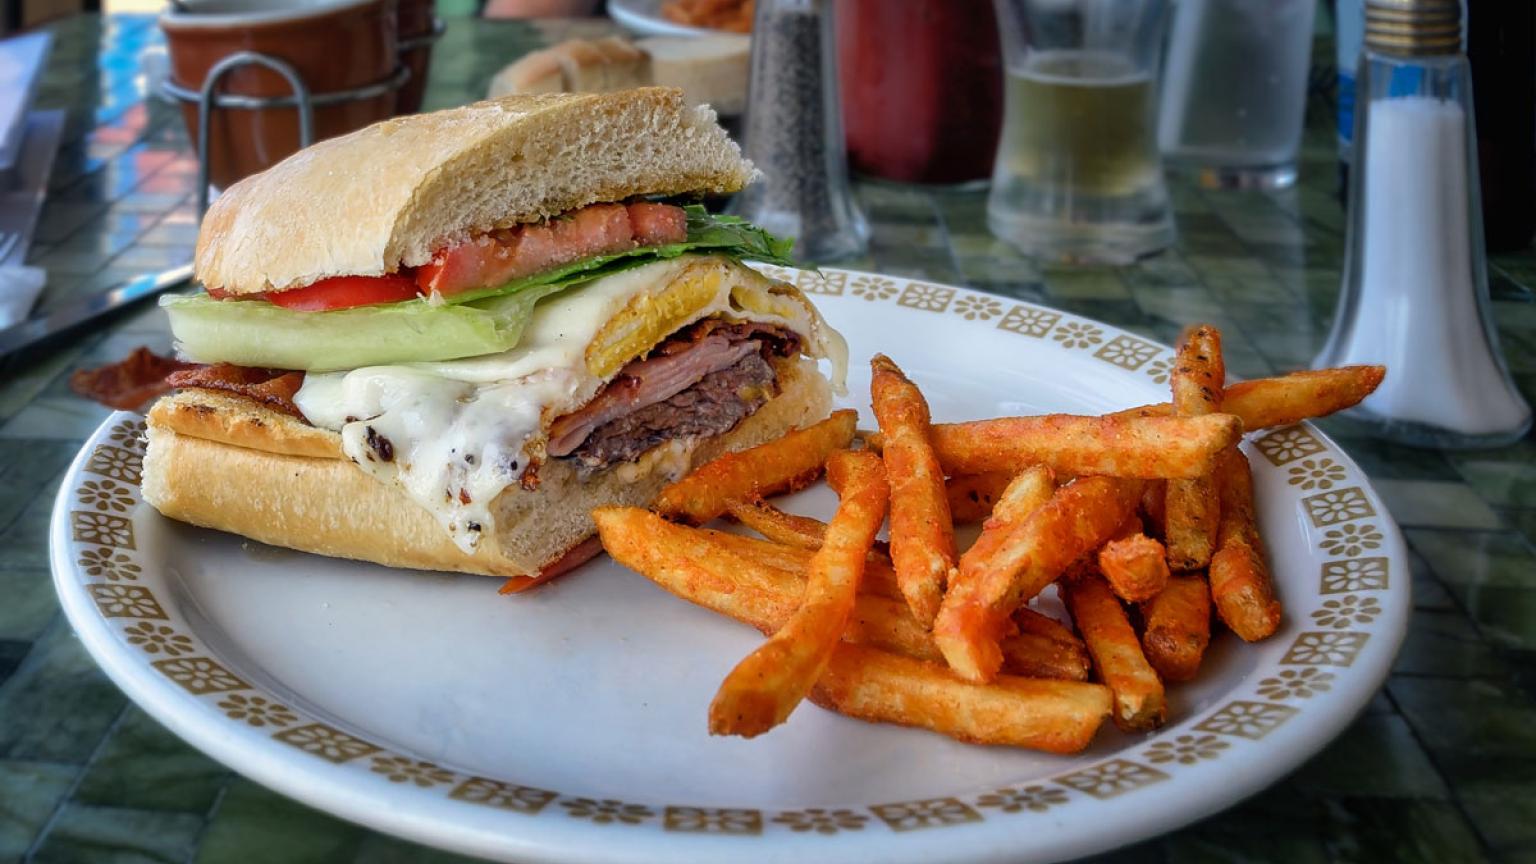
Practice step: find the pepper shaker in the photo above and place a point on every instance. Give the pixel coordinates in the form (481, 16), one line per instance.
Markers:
(794, 134)
(1415, 290)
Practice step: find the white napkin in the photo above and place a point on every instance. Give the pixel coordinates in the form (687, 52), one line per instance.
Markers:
(19, 287)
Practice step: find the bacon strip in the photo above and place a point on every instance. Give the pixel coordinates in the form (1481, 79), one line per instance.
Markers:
(129, 383)
(274, 388)
(578, 555)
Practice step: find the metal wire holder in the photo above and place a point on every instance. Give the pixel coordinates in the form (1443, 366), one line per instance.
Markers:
(208, 99)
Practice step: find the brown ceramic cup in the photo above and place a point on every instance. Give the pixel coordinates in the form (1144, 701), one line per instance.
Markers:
(417, 29)
(333, 45)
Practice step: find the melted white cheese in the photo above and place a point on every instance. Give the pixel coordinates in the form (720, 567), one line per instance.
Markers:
(459, 432)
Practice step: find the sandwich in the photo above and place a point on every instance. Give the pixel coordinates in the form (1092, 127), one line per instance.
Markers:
(439, 342)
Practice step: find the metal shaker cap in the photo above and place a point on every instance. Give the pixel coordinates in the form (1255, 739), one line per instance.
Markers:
(1413, 28)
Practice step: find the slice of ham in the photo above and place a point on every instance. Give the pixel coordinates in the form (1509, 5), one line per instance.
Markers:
(129, 383)
(647, 382)
(274, 388)
(672, 367)
(513, 253)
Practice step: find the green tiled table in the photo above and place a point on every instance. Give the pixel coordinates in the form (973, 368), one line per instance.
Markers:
(1441, 767)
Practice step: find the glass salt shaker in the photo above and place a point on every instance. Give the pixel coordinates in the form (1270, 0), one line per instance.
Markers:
(794, 134)
(1415, 288)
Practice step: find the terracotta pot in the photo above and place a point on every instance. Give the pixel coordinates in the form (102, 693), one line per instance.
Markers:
(416, 23)
(334, 45)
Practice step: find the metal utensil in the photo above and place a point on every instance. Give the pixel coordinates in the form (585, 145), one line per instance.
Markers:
(8, 241)
(87, 308)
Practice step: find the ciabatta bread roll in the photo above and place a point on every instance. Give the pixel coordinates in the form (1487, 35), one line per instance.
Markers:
(441, 341)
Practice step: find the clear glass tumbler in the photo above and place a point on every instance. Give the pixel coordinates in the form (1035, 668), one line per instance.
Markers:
(1235, 90)
(1078, 176)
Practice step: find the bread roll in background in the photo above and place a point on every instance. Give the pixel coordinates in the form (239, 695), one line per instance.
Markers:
(583, 66)
(538, 72)
(710, 70)
(626, 66)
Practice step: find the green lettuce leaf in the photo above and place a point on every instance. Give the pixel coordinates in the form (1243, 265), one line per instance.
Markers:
(258, 333)
(255, 333)
(707, 232)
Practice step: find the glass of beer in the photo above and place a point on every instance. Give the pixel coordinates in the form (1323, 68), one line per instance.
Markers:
(1078, 176)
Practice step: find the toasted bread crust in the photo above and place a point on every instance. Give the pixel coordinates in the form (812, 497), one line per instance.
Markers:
(241, 422)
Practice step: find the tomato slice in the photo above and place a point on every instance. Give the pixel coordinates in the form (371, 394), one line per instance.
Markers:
(344, 292)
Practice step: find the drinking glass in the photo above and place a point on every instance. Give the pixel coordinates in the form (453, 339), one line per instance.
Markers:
(1078, 175)
(1235, 90)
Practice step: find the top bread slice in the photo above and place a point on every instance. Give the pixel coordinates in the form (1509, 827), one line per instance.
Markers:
(390, 195)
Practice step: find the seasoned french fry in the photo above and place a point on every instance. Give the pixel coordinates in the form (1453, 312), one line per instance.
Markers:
(692, 564)
(1044, 648)
(1024, 494)
(1054, 716)
(708, 568)
(801, 532)
(767, 684)
(886, 623)
(1031, 620)
(1240, 584)
(1154, 511)
(1029, 655)
(1140, 703)
(1286, 399)
(1136, 567)
(1129, 528)
(1192, 509)
(1151, 447)
(971, 496)
(1132, 443)
(879, 578)
(1088, 564)
(782, 465)
(922, 531)
(1199, 373)
(1189, 523)
(1000, 577)
(1178, 627)
(1301, 395)
(1034, 652)
(700, 566)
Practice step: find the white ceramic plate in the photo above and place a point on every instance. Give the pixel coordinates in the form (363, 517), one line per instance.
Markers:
(644, 17)
(568, 725)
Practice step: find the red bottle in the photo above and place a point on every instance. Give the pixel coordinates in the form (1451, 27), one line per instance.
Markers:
(922, 87)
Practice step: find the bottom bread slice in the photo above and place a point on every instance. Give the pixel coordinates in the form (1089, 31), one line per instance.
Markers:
(328, 506)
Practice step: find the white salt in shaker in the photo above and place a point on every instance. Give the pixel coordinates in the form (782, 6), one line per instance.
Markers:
(1415, 292)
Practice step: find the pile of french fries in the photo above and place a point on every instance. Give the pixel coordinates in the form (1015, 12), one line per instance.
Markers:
(1143, 521)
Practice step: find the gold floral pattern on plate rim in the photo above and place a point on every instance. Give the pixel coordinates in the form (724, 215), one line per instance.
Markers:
(97, 531)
